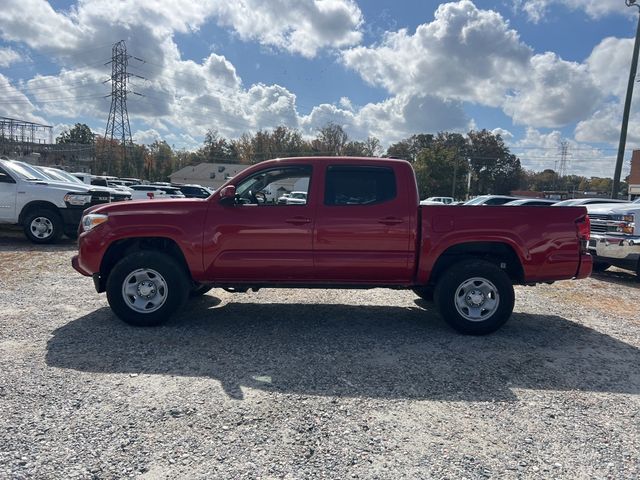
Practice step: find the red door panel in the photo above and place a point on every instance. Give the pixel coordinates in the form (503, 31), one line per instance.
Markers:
(363, 243)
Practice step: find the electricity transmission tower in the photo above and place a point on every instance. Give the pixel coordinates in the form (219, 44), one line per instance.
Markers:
(118, 129)
(564, 148)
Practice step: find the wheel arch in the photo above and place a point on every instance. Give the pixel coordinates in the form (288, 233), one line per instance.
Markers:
(121, 248)
(501, 254)
(34, 205)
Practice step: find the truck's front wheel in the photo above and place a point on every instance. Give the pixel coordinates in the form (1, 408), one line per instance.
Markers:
(43, 226)
(475, 297)
(145, 288)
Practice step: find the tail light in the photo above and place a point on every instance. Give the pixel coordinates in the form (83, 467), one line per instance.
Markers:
(584, 228)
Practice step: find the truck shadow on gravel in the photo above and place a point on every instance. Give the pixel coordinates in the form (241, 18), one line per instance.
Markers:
(345, 350)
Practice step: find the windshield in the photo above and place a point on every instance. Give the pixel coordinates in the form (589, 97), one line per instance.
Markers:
(64, 176)
(566, 203)
(475, 201)
(23, 173)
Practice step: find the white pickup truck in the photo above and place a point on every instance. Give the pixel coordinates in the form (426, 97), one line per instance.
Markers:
(615, 236)
(45, 209)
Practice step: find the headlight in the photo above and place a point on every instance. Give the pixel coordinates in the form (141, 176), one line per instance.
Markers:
(77, 199)
(92, 220)
(625, 223)
(624, 218)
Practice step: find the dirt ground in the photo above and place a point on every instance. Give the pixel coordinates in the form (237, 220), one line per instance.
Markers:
(313, 383)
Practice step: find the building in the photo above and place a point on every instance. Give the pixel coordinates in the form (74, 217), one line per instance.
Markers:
(634, 176)
(207, 174)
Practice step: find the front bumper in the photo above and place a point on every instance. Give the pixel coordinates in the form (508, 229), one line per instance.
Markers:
(71, 216)
(616, 249)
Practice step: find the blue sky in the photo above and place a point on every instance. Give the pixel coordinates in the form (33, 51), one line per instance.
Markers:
(538, 71)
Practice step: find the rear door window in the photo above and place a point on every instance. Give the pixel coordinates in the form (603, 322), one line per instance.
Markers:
(359, 185)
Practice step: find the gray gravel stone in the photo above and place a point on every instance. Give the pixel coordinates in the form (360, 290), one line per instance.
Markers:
(313, 384)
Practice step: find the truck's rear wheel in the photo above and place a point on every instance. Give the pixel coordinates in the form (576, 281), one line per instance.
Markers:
(145, 288)
(43, 226)
(475, 297)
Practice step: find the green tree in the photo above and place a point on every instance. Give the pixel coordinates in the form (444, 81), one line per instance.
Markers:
(409, 148)
(441, 167)
(495, 169)
(80, 133)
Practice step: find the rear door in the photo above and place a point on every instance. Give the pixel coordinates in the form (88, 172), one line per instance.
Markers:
(363, 226)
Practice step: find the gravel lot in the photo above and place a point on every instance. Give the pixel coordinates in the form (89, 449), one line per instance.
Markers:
(313, 383)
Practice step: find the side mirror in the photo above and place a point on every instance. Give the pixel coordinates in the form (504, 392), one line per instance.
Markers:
(228, 194)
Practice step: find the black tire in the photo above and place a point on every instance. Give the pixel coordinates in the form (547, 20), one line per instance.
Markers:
(43, 226)
(154, 272)
(485, 292)
(71, 233)
(600, 266)
(199, 290)
(425, 293)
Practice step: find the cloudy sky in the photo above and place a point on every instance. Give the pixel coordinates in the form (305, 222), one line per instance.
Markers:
(537, 71)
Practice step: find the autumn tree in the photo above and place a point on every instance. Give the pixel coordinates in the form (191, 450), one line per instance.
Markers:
(331, 139)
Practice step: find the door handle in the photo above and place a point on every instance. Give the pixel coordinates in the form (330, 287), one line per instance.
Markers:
(298, 220)
(390, 221)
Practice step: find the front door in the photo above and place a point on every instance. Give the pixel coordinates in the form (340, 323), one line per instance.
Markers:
(265, 235)
(8, 193)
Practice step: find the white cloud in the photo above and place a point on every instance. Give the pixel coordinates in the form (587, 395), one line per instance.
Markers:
(8, 56)
(473, 55)
(505, 134)
(146, 137)
(465, 54)
(537, 9)
(392, 119)
(15, 104)
(609, 64)
(556, 93)
(299, 26)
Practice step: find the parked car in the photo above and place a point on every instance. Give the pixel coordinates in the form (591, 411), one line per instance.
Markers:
(44, 208)
(490, 200)
(443, 200)
(362, 228)
(575, 202)
(193, 191)
(172, 192)
(62, 176)
(531, 202)
(297, 198)
(282, 200)
(146, 192)
(615, 236)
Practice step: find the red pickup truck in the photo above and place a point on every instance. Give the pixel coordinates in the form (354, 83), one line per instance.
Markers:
(360, 226)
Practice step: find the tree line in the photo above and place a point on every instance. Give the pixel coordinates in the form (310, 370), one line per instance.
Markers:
(446, 164)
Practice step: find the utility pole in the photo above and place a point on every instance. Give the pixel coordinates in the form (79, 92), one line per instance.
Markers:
(627, 106)
(118, 129)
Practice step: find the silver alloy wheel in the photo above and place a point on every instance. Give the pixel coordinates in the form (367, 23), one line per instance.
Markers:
(144, 290)
(41, 227)
(476, 299)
